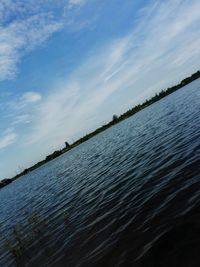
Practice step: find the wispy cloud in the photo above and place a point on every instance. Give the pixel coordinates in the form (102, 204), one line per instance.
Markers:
(161, 48)
(20, 110)
(31, 97)
(24, 101)
(73, 3)
(19, 37)
(8, 138)
(24, 25)
(21, 119)
(127, 65)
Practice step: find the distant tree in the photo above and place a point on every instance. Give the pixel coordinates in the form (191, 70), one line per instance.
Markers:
(115, 117)
(54, 155)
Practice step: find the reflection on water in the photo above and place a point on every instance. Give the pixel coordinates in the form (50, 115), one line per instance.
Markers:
(127, 197)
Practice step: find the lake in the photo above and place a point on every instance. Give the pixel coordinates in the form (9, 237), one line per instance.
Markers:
(129, 196)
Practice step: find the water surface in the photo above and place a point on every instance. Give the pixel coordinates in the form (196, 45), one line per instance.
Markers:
(130, 196)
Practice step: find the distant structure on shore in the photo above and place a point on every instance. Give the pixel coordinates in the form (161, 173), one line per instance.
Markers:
(67, 145)
(115, 119)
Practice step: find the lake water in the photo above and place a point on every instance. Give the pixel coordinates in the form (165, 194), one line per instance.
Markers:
(130, 196)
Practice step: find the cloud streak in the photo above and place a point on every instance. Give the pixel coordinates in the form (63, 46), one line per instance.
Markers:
(160, 49)
(25, 25)
(7, 139)
(19, 37)
(128, 65)
(74, 3)
(31, 97)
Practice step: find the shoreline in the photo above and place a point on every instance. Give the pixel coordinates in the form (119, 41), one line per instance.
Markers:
(115, 120)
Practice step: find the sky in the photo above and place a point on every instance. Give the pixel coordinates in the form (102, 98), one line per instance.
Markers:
(67, 66)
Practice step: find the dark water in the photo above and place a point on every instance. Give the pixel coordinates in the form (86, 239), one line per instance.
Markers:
(128, 197)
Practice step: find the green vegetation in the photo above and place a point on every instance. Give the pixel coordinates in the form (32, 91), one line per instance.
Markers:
(114, 121)
(24, 240)
(19, 242)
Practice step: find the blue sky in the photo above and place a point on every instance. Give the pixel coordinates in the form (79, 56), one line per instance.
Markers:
(67, 66)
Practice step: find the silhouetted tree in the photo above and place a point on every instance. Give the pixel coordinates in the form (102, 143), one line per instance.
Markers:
(67, 145)
(115, 117)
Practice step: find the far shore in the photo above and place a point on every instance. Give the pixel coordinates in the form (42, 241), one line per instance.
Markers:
(115, 120)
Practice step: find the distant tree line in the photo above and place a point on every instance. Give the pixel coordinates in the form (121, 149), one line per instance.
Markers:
(114, 120)
(139, 107)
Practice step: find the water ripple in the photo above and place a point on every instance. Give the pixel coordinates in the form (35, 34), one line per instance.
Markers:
(128, 197)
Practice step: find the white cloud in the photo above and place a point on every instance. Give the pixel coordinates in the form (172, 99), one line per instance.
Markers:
(161, 50)
(24, 25)
(23, 103)
(75, 3)
(7, 139)
(20, 110)
(21, 35)
(56, 110)
(134, 67)
(21, 119)
(31, 97)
